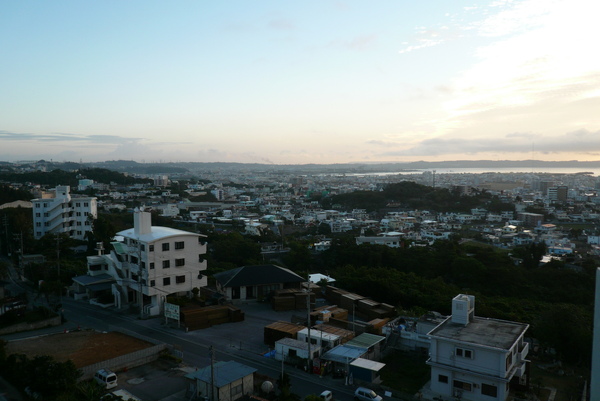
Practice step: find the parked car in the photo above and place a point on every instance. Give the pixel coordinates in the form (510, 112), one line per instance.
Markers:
(327, 395)
(365, 394)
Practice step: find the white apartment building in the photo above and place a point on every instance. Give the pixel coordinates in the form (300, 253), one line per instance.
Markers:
(57, 212)
(476, 358)
(152, 261)
(392, 239)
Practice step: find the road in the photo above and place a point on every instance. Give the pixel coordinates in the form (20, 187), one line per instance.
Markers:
(241, 342)
(195, 346)
(226, 340)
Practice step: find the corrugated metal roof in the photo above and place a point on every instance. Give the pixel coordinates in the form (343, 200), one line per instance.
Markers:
(367, 364)
(343, 354)
(89, 280)
(257, 275)
(365, 340)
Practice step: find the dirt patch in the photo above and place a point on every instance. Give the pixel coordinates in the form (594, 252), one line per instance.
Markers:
(82, 347)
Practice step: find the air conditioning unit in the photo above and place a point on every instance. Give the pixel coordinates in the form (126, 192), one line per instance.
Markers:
(200, 276)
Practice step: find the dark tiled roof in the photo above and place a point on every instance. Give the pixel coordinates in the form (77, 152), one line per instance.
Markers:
(257, 275)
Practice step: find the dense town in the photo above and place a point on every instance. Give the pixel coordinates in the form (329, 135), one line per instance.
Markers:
(280, 283)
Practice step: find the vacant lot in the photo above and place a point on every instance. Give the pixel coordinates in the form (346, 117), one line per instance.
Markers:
(82, 347)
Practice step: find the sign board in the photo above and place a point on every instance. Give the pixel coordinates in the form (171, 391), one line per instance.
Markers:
(171, 311)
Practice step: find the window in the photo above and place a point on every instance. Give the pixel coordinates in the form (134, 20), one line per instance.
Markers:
(142, 247)
(152, 265)
(167, 281)
(152, 283)
(166, 264)
(85, 204)
(78, 204)
(87, 223)
(46, 214)
(39, 233)
(151, 248)
(489, 390)
(38, 215)
(165, 246)
(38, 224)
(443, 379)
(79, 223)
(508, 360)
(180, 279)
(465, 353)
(179, 245)
(78, 214)
(179, 262)
(462, 385)
(143, 265)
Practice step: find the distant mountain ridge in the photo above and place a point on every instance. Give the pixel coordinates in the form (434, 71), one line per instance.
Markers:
(134, 167)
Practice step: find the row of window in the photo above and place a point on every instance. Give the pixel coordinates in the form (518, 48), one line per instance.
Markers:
(78, 214)
(77, 204)
(167, 263)
(486, 389)
(167, 281)
(165, 245)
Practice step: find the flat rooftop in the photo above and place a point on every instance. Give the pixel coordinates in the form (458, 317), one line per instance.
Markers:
(481, 331)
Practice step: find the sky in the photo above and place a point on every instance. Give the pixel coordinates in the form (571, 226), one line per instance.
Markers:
(283, 82)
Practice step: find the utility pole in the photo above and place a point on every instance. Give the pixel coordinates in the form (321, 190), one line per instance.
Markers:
(211, 351)
(58, 266)
(141, 294)
(309, 360)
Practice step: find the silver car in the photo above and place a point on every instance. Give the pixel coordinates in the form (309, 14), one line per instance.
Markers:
(365, 394)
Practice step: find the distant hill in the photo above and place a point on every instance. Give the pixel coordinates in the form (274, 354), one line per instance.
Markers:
(191, 168)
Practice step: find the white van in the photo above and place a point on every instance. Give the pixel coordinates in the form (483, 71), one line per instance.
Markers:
(106, 378)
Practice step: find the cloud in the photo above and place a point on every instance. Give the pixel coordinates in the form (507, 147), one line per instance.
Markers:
(580, 141)
(64, 137)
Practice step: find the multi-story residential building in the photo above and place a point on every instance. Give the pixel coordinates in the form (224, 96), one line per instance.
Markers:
(558, 193)
(531, 219)
(476, 358)
(57, 212)
(149, 263)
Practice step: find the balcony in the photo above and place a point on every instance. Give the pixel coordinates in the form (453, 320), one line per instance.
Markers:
(523, 352)
(520, 370)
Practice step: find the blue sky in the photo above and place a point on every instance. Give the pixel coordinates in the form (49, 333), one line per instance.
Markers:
(299, 82)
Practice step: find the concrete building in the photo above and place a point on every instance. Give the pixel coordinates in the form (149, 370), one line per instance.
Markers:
(595, 374)
(149, 263)
(475, 358)
(56, 212)
(559, 193)
(392, 239)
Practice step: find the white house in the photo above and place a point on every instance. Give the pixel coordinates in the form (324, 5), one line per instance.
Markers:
(56, 212)
(287, 348)
(152, 261)
(393, 239)
(476, 358)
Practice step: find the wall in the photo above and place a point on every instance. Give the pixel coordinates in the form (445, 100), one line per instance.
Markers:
(16, 328)
(130, 360)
